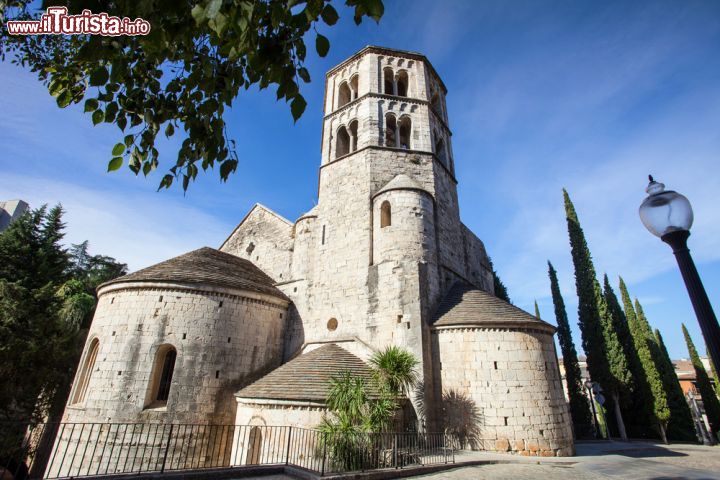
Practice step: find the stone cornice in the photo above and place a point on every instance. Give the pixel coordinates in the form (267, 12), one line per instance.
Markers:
(194, 288)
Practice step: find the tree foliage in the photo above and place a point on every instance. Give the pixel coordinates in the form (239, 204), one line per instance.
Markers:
(498, 285)
(357, 409)
(606, 361)
(184, 74)
(579, 406)
(650, 387)
(680, 426)
(709, 399)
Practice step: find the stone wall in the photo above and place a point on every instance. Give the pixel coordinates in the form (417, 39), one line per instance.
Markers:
(264, 238)
(502, 386)
(224, 339)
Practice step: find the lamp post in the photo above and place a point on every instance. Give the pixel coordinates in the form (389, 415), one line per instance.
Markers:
(668, 215)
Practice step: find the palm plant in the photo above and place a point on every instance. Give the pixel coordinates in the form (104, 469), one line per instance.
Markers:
(394, 368)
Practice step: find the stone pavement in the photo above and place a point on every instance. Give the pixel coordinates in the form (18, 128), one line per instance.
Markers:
(598, 461)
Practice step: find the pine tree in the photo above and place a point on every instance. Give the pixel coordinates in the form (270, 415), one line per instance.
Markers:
(710, 400)
(579, 407)
(650, 398)
(681, 426)
(605, 359)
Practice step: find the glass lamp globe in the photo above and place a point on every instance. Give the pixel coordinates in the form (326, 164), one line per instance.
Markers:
(665, 211)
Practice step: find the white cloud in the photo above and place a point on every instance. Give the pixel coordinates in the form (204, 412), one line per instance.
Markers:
(138, 229)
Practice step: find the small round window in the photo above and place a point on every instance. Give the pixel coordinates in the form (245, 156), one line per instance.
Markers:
(332, 324)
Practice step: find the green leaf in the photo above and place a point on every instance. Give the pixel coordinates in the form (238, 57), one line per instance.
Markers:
(322, 45)
(118, 149)
(129, 139)
(227, 167)
(217, 24)
(304, 74)
(213, 8)
(63, 100)
(97, 116)
(198, 13)
(99, 77)
(169, 130)
(166, 181)
(91, 104)
(114, 164)
(329, 15)
(297, 107)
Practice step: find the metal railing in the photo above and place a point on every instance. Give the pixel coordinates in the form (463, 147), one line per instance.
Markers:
(94, 449)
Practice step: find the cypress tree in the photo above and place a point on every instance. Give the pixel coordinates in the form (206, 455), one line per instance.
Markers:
(647, 409)
(651, 398)
(537, 310)
(710, 400)
(579, 407)
(716, 381)
(681, 425)
(605, 359)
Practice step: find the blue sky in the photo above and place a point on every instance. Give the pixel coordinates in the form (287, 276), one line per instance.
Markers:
(590, 96)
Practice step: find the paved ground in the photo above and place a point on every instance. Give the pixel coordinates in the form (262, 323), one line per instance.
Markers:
(599, 461)
(594, 461)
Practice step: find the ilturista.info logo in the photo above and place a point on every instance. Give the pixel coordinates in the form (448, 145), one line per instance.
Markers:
(56, 21)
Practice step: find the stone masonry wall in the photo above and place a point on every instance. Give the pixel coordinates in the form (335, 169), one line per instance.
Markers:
(265, 239)
(504, 385)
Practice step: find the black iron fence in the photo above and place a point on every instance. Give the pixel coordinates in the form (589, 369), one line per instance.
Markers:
(93, 449)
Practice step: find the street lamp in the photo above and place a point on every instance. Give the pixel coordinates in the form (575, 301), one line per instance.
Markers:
(668, 215)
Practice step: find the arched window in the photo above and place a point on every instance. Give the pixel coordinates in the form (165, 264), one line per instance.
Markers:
(385, 214)
(344, 94)
(440, 150)
(353, 135)
(390, 130)
(402, 84)
(162, 374)
(405, 129)
(354, 86)
(254, 450)
(81, 386)
(342, 145)
(389, 81)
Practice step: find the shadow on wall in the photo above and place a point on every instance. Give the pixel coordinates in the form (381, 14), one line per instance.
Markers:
(462, 419)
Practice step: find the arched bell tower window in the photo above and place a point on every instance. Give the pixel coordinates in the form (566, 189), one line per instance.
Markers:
(353, 127)
(354, 86)
(342, 145)
(390, 130)
(402, 84)
(344, 94)
(405, 129)
(389, 81)
(440, 150)
(385, 214)
(84, 379)
(161, 378)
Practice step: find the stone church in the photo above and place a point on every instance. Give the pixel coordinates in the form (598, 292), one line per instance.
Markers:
(251, 332)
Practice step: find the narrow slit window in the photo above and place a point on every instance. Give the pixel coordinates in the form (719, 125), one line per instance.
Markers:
(385, 214)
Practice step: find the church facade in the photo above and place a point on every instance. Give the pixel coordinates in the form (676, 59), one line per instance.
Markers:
(250, 333)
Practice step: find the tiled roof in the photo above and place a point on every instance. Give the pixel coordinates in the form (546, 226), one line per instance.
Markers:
(206, 266)
(401, 182)
(467, 305)
(307, 377)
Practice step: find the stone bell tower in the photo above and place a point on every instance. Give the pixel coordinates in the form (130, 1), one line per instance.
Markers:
(390, 240)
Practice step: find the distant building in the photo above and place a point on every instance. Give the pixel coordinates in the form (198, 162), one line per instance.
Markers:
(686, 374)
(10, 210)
